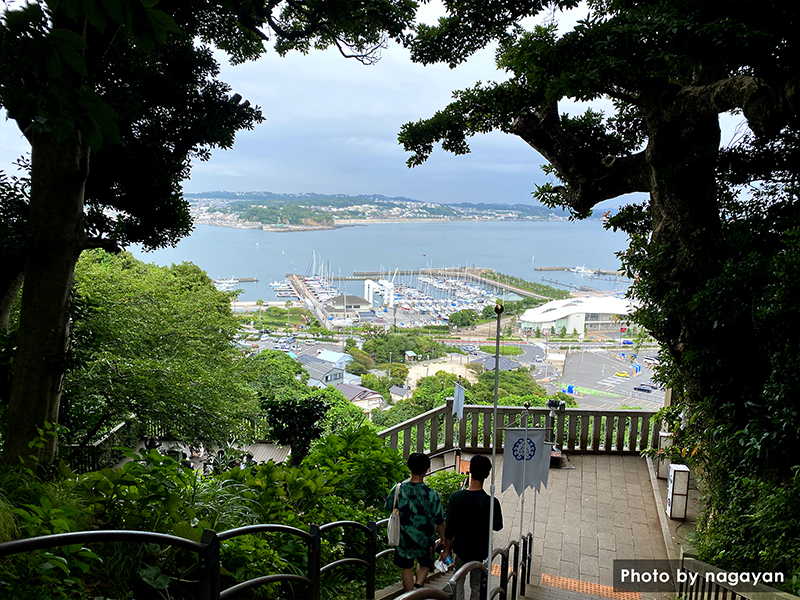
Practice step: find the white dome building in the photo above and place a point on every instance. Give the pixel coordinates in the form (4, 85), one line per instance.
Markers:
(584, 315)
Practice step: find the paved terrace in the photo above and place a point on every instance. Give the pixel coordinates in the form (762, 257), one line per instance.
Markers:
(602, 509)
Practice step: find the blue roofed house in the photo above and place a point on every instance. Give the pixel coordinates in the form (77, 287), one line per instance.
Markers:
(321, 374)
(338, 359)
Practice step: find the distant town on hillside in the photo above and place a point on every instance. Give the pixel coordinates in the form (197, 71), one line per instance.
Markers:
(292, 212)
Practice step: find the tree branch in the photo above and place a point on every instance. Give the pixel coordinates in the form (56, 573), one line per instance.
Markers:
(591, 177)
(766, 106)
(106, 244)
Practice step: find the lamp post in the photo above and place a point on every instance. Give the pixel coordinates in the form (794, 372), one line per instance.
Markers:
(498, 309)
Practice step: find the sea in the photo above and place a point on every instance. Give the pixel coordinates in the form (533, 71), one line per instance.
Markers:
(510, 247)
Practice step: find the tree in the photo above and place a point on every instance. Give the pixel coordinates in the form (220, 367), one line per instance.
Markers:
(714, 247)
(107, 91)
(463, 318)
(296, 422)
(176, 365)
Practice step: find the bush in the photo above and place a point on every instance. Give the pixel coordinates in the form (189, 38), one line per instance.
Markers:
(446, 482)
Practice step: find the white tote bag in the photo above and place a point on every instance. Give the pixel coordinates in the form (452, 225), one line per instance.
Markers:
(393, 527)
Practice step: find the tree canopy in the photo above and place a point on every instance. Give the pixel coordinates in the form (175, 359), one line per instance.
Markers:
(713, 248)
(154, 342)
(116, 100)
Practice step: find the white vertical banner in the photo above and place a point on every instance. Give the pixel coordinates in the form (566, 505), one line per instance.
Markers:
(525, 457)
(458, 401)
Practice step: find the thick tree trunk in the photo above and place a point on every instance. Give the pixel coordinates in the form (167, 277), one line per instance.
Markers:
(682, 153)
(58, 173)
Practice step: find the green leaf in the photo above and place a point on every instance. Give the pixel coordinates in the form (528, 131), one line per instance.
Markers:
(94, 14)
(68, 38)
(73, 59)
(184, 530)
(114, 10)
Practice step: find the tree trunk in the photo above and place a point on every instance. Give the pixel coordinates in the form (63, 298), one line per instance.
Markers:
(682, 153)
(10, 283)
(58, 173)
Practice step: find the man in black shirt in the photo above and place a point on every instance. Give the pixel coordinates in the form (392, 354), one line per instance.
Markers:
(467, 524)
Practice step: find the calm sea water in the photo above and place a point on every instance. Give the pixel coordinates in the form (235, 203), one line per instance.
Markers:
(514, 248)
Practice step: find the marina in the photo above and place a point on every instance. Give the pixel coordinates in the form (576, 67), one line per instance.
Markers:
(401, 299)
(344, 258)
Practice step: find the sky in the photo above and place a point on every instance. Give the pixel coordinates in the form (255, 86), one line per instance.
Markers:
(332, 123)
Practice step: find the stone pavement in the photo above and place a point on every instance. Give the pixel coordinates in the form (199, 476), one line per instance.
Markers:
(602, 509)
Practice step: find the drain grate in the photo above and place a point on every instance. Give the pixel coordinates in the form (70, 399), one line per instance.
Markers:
(584, 587)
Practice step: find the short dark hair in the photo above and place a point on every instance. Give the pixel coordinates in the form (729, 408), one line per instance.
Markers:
(418, 463)
(479, 467)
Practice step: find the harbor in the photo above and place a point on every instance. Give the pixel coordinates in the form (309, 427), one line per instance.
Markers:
(400, 298)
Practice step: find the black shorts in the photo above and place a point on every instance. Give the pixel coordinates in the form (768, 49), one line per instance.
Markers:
(406, 563)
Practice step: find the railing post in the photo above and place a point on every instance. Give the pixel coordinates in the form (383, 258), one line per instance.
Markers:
(504, 574)
(516, 574)
(372, 549)
(209, 566)
(523, 566)
(530, 556)
(314, 560)
(448, 424)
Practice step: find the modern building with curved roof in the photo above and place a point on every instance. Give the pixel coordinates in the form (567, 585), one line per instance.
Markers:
(584, 315)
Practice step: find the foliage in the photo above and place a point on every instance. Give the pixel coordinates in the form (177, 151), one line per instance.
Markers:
(274, 374)
(463, 318)
(343, 479)
(393, 346)
(539, 288)
(514, 389)
(362, 361)
(446, 482)
(358, 465)
(176, 366)
(714, 261)
(295, 422)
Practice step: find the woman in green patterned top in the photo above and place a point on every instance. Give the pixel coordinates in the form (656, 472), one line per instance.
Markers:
(421, 515)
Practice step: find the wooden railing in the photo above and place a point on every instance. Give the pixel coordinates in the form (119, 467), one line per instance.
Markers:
(706, 586)
(578, 430)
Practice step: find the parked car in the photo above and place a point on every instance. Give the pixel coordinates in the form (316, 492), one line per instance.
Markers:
(641, 388)
(621, 374)
(627, 343)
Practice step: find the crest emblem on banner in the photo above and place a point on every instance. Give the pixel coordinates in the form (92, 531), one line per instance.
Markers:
(531, 459)
(523, 451)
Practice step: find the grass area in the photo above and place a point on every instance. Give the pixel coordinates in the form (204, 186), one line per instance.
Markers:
(504, 350)
(538, 288)
(583, 390)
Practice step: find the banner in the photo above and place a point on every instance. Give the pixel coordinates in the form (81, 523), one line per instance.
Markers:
(458, 402)
(533, 453)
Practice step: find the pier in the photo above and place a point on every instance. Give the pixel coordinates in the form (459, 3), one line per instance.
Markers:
(582, 288)
(468, 273)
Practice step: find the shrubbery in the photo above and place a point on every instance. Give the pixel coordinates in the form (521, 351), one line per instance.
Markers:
(346, 477)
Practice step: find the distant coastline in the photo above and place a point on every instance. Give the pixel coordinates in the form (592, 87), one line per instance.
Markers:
(340, 224)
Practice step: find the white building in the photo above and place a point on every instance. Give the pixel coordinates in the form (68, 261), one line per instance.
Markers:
(584, 315)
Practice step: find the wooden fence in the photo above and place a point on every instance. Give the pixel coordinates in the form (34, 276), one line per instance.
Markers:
(577, 430)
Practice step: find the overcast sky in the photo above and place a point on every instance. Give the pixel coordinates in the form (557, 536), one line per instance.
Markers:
(332, 123)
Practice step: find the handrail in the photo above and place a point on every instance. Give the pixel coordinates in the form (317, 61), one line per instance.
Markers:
(264, 528)
(235, 590)
(85, 537)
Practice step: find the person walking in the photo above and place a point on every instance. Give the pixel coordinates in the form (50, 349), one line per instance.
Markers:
(421, 515)
(467, 530)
